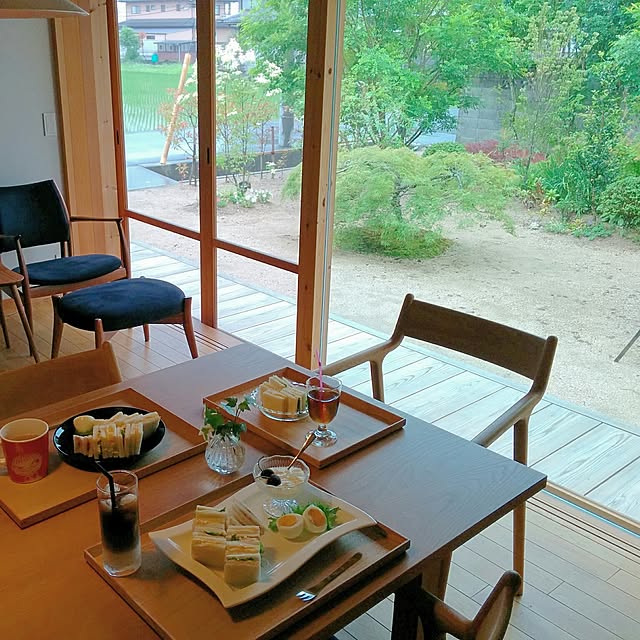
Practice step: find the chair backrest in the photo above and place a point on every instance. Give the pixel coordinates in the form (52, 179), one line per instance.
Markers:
(490, 623)
(492, 620)
(54, 380)
(36, 212)
(490, 341)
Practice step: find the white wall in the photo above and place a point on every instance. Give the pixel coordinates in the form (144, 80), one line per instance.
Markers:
(26, 92)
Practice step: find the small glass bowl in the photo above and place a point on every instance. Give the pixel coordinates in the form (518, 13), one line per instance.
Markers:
(278, 415)
(281, 498)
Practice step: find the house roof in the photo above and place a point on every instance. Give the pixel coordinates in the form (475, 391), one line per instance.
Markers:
(174, 24)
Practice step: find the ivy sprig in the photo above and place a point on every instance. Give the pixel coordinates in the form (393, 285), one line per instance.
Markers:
(218, 423)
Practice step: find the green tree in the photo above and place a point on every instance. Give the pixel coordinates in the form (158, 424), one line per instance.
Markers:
(243, 105)
(406, 62)
(549, 94)
(130, 41)
(393, 201)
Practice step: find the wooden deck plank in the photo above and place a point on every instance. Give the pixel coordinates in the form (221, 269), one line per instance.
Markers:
(159, 272)
(360, 376)
(593, 609)
(594, 458)
(550, 429)
(236, 305)
(258, 316)
(233, 292)
(621, 492)
(262, 334)
(447, 396)
(414, 378)
(469, 421)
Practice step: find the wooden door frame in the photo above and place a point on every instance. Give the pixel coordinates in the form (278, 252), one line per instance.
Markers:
(322, 91)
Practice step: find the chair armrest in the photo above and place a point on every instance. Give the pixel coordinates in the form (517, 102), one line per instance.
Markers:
(520, 410)
(375, 354)
(90, 219)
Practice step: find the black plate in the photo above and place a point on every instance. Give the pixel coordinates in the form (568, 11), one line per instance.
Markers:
(63, 441)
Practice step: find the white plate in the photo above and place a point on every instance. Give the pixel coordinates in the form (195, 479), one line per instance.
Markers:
(281, 557)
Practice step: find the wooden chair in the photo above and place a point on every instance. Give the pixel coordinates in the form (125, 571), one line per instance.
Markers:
(9, 281)
(28, 388)
(490, 623)
(509, 348)
(33, 215)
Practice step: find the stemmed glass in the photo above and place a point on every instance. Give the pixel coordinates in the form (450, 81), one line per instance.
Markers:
(323, 395)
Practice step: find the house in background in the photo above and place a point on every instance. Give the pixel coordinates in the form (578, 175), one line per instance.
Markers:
(168, 29)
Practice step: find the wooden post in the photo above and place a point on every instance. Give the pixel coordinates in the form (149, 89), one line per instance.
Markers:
(207, 162)
(81, 49)
(322, 97)
(174, 114)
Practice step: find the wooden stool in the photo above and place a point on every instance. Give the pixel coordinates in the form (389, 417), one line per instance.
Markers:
(9, 281)
(123, 304)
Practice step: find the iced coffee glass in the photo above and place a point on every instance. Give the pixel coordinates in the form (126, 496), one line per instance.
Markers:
(119, 523)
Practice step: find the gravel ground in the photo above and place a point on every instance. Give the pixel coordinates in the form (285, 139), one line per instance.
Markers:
(585, 292)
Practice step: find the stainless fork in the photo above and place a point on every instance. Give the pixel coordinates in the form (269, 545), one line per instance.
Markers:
(309, 594)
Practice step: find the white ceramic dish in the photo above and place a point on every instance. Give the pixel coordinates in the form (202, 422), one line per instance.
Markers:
(281, 557)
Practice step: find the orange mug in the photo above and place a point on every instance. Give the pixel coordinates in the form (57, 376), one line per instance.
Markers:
(26, 449)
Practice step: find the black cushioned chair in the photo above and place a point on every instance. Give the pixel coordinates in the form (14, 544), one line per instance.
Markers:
(33, 215)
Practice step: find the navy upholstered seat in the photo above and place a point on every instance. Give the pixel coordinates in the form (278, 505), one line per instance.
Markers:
(121, 304)
(72, 269)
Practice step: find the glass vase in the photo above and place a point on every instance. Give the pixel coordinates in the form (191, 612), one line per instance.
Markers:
(224, 454)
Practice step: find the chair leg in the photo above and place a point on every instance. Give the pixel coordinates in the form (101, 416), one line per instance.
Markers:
(187, 324)
(25, 322)
(28, 307)
(99, 332)
(520, 454)
(58, 326)
(377, 383)
(3, 322)
(145, 329)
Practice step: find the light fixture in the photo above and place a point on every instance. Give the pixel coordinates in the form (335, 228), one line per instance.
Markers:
(39, 9)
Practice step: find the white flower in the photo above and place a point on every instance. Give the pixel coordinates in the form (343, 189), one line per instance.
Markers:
(273, 70)
(262, 79)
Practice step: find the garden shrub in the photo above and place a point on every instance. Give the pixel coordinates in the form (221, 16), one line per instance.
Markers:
(446, 147)
(503, 153)
(246, 199)
(392, 201)
(620, 203)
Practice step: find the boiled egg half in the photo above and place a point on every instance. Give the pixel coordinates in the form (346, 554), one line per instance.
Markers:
(290, 525)
(314, 519)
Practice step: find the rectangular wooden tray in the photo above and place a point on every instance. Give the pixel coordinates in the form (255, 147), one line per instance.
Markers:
(65, 486)
(178, 607)
(359, 422)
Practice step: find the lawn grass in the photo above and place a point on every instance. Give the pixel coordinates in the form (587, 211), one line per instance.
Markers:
(144, 88)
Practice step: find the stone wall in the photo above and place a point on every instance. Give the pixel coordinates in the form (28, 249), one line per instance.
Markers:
(485, 122)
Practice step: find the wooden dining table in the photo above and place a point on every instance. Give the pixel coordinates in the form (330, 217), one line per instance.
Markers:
(431, 486)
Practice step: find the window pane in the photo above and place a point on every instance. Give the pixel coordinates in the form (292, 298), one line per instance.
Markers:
(260, 81)
(263, 313)
(159, 95)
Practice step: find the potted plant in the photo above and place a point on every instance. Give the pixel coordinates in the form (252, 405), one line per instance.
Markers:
(222, 429)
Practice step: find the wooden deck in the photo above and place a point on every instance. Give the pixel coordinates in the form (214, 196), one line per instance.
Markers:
(583, 573)
(586, 453)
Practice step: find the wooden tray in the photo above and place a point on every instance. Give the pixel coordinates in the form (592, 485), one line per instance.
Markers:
(359, 422)
(179, 607)
(65, 486)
